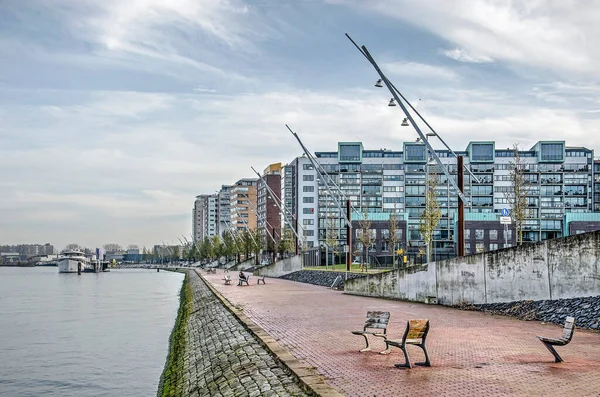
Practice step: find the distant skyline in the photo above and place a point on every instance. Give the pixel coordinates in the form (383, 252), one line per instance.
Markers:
(114, 115)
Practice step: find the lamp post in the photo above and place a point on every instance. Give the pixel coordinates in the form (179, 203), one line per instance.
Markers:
(397, 95)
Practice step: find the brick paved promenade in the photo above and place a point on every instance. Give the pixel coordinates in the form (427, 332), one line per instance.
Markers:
(223, 358)
(473, 353)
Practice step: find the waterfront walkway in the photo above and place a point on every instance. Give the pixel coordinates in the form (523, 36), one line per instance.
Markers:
(473, 353)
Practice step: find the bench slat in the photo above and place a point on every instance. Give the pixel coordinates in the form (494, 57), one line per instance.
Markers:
(417, 329)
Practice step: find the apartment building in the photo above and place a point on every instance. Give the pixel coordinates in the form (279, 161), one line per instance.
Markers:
(204, 217)
(242, 201)
(269, 221)
(223, 209)
(560, 182)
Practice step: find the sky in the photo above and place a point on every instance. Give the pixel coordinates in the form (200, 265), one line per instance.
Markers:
(115, 114)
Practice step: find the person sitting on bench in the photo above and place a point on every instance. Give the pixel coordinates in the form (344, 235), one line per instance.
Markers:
(242, 278)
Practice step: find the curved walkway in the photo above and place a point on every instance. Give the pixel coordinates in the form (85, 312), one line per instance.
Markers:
(473, 353)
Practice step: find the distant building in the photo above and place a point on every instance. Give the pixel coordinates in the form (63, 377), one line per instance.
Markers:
(242, 213)
(223, 209)
(267, 208)
(204, 216)
(29, 250)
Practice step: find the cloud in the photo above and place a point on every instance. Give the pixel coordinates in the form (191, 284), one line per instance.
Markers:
(462, 56)
(419, 70)
(552, 35)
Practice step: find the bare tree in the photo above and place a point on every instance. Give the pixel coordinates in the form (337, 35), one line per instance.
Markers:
(432, 214)
(365, 236)
(517, 198)
(133, 247)
(331, 236)
(394, 237)
(108, 248)
(73, 247)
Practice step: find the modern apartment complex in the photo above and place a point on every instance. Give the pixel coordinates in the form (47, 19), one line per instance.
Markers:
(204, 216)
(559, 181)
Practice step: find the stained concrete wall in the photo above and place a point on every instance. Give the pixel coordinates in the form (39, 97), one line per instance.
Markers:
(414, 284)
(281, 267)
(553, 269)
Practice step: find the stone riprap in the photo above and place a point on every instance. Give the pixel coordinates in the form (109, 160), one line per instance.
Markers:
(318, 277)
(221, 357)
(585, 310)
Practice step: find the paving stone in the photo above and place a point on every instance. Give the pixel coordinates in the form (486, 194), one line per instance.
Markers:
(473, 353)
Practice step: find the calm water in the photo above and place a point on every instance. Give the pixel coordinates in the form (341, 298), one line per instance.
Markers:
(91, 335)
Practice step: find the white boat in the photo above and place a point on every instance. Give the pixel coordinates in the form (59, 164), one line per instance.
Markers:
(70, 261)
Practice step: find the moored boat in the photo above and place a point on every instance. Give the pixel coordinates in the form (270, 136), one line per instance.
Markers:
(72, 261)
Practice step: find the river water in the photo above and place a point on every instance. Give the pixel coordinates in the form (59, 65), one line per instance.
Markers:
(101, 334)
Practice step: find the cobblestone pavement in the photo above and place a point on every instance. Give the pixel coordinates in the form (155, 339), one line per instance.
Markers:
(473, 353)
(223, 358)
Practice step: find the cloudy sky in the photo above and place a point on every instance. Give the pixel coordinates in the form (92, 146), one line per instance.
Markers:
(115, 114)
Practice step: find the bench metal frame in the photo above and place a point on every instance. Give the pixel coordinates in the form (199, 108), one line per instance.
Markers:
(568, 330)
(241, 281)
(227, 279)
(415, 334)
(375, 320)
(259, 279)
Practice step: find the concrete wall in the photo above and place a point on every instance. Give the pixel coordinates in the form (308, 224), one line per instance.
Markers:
(414, 284)
(243, 265)
(553, 269)
(281, 268)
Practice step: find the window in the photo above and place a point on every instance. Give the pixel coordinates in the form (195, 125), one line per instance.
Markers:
(308, 221)
(307, 167)
(308, 199)
(308, 210)
(308, 232)
(350, 153)
(308, 189)
(482, 152)
(394, 200)
(414, 152)
(479, 234)
(493, 247)
(551, 151)
(579, 231)
(493, 235)
(479, 247)
(308, 178)
(467, 234)
(393, 177)
(508, 235)
(468, 248)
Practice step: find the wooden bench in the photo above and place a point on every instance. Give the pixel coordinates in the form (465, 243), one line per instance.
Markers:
(259, 279)
(375, 320)
(566, 337)
(241, 281)
(415, 334)
(227, 279)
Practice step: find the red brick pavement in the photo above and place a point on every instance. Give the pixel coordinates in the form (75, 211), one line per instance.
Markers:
(473, 354)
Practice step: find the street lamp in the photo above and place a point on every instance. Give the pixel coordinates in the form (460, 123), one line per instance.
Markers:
(405, 123)
(378, 84)
(392, 102)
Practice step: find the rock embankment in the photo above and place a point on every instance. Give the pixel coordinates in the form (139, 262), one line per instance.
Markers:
(585, 310)
(213, 354)
(317, 277)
